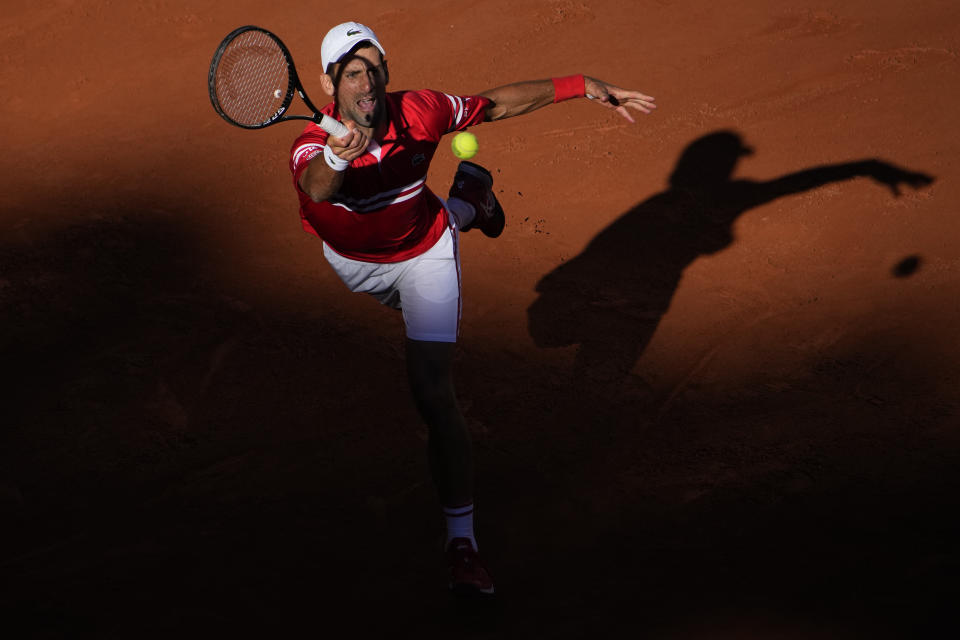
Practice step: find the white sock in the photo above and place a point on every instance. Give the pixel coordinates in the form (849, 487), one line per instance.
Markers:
(460, 523)
(462, 210)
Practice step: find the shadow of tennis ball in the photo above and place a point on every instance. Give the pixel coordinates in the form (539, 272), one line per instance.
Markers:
(906, 267)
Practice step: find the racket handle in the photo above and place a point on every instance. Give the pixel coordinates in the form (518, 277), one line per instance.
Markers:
(332, 126)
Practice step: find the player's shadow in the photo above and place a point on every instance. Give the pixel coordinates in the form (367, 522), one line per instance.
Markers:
(609, 299)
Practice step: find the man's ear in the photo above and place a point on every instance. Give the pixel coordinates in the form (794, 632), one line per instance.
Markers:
(386, 73)
(326, 82)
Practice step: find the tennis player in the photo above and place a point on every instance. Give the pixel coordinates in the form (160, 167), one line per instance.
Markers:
(386, 234)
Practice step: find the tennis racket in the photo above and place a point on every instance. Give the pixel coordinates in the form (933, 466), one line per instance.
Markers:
(253, 81)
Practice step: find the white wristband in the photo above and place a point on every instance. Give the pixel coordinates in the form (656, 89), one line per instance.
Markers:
(334, 161)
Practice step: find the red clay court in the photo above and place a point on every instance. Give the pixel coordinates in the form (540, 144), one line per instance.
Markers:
(710, 367)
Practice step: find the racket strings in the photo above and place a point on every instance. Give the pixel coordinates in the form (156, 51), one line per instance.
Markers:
(252, 79)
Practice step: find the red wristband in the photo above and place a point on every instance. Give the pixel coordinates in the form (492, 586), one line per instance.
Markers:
(568, 87)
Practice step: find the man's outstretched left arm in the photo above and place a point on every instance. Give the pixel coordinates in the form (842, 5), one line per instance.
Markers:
(523, 97)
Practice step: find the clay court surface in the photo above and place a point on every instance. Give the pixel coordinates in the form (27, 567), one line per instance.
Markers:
(710, 367)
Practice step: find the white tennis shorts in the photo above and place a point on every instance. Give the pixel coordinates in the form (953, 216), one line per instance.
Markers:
(426, 288)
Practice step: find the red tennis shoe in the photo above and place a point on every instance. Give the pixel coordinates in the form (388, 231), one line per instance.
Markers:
(468, 574)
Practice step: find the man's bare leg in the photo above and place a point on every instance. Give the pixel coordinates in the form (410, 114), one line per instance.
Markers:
(450, 452)
(430, 369)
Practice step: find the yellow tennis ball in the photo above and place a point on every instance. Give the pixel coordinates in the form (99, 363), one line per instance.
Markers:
(465, 145)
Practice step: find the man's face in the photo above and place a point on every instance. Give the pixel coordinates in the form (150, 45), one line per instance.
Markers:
(361, 94)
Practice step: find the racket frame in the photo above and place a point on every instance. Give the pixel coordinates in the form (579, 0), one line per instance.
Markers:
(293, 86)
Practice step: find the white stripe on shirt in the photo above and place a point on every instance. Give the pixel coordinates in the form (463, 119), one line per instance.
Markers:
(381, 200)
(367, 209)
(457, 103)
(304, 149)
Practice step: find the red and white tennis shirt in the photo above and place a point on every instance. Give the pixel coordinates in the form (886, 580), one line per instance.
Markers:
(384, 211)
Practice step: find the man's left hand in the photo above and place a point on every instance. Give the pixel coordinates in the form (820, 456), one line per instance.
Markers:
(620, 100)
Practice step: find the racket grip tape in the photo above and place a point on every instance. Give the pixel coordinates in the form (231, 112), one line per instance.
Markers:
(332, 126)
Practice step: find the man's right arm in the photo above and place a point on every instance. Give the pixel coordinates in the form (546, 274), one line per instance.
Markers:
(320, 180)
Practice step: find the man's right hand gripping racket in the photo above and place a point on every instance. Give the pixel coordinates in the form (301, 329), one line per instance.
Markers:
(252, 82)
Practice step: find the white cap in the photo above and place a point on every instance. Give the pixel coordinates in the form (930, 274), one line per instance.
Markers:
(344, 37)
